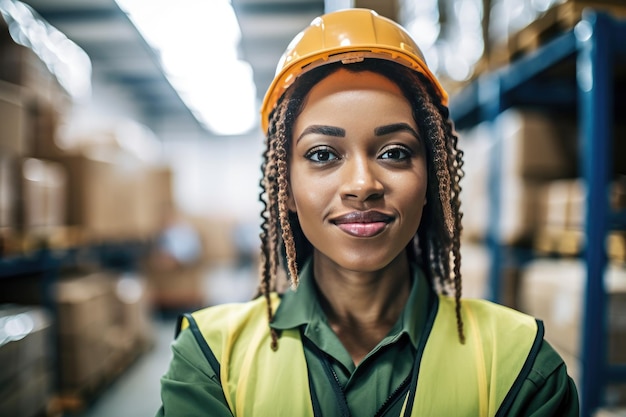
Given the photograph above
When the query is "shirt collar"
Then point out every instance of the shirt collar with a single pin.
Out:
(301, 307)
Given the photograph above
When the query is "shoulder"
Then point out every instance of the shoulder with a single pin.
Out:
(491, 309)
(217, 329)
(491, 316)
(228, 316)
(548, 363)
(547, 389)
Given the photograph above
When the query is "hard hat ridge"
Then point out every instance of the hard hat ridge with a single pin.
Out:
(347, 36)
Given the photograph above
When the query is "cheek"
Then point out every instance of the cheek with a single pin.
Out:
(308, 191)
(413, 201)
(307, 197)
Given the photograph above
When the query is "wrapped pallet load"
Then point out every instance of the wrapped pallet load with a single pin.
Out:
(26, 374)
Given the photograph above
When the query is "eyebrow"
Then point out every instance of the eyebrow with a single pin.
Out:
(339, 132)
(323, 130)
(395, 127)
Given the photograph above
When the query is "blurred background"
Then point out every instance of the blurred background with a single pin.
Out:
(130, 150)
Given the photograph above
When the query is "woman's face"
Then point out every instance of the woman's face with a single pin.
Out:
(357, 170)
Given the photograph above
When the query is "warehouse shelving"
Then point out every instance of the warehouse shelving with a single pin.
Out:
(574, 72)
(48, 263)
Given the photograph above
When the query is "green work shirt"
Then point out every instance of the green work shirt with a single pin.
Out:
(191, 388)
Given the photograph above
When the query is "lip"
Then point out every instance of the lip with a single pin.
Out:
(363, 223)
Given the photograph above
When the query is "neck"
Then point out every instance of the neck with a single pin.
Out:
(362, 307)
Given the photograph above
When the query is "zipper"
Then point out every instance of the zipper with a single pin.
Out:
(339, 393)
(340, 396)
(394, 395)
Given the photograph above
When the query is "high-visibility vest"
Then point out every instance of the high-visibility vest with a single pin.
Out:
(477, 378)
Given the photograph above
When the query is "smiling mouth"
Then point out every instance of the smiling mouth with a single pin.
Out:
(363, 223)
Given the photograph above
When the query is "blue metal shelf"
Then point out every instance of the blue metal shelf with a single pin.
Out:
(585, 57)
(121, 256)
(33, 263)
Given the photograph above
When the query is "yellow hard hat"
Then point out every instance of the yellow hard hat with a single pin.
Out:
(348, 35)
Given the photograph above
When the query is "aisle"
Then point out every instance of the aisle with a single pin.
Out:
(137, 392)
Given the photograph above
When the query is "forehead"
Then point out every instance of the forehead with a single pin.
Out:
(347, 97)
(344, 80)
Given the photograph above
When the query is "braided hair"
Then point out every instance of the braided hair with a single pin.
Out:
(436, 244)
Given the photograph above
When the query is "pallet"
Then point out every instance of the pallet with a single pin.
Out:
(555, 21)
(570, 243)
(77, 399)
(611, 412)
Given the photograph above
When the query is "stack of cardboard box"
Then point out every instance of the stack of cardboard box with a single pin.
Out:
(553, 290)
(533, 149)
(56, 186)
(103, 326)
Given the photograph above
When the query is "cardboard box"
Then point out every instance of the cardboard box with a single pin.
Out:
(133, 311)
(20, 65)
(46, 118)
(563, 202)
(8, 191)
(519, 213)
(176, 288)
(32, 195)
(536, 149)
(537, 145)
(13, 120)
(44, 194)
(153, 193)
(520, 185)
(82, 359)
(475, 270)
(84, 304)
(552, 290)
(104, 324)
(476, 145)
(105, 197)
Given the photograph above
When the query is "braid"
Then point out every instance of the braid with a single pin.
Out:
(276, 227)
(269, 230)
(283, 213)
(442, 237)
(455, 163)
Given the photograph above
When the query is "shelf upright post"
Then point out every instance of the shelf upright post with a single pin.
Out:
(595, 85)
(490, 106)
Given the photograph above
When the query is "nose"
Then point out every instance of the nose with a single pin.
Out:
(360, 181)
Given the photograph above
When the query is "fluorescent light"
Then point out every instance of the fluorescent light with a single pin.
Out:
(64, 59)
(197, 41)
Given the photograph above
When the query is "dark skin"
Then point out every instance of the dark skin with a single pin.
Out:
(356, 150)
(373, 307)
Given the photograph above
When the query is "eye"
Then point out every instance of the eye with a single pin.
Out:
(397, 153)
(321, 155)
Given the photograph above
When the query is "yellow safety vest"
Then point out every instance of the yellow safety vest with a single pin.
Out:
(478, 378)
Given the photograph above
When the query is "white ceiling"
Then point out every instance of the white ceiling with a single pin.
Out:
(120, 55)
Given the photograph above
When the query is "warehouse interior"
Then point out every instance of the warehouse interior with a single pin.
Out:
(130, 151)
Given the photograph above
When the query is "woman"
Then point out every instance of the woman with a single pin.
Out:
(361, 187)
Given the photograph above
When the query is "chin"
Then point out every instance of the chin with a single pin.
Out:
(365, 262)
